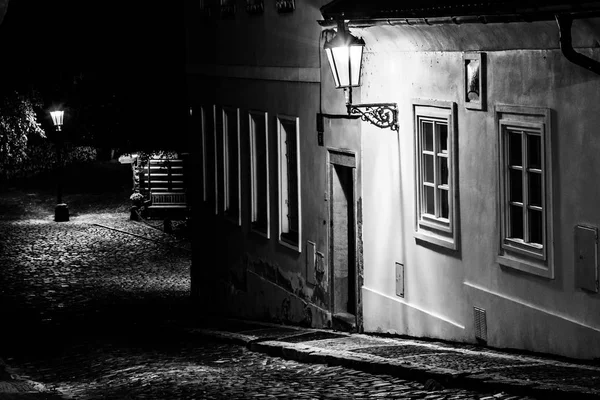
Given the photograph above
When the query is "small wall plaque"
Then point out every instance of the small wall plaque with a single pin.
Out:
(474, 81)
(399, 280)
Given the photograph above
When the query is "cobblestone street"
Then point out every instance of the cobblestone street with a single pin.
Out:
(178, 370)
(87, 311)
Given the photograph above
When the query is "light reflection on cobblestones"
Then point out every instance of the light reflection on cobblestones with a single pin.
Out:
(99, 303)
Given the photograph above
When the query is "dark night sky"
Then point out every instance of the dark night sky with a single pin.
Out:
(140, 44)
(93, 33)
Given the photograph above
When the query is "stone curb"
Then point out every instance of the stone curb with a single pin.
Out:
(482, 382)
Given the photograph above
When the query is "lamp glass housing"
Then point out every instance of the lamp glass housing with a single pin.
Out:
(57, 117)
(344, 53)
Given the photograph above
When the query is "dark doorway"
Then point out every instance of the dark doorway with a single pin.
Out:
(343, 237)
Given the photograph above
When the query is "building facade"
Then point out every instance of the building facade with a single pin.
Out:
(475, 221)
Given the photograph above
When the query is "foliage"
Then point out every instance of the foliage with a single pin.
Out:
(144, 155)
(18, 123)
(79, 154)
(40, 157)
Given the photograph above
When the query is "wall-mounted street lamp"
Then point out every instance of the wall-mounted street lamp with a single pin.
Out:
(61, 211)
(344, 53)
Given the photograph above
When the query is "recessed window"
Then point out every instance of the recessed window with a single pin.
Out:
(216, 165)
(231, 164)
(525, 196)
(204, 126)
(259, 172)
(435, 173)
(289, 181)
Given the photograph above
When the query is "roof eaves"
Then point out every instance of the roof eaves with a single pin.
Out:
(527, 10)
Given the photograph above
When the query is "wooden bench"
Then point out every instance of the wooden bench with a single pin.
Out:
(167, 189)
(168, 199)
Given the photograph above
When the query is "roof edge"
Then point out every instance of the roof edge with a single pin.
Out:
(486, 12)
(457, 20)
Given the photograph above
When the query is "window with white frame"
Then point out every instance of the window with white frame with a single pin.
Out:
(436, 190)
(216, 169)
(259, 172)
(231, 164)
(204, 126)
(525, 189)
(289, 181)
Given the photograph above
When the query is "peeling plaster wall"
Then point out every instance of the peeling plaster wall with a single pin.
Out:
(525, 68)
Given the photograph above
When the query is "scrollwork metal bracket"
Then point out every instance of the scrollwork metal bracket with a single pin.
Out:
(382, 115)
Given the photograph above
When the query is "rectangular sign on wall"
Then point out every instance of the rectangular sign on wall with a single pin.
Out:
(399, 280)
(586, 258)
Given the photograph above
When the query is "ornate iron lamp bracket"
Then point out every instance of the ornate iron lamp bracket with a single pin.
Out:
(382, 115)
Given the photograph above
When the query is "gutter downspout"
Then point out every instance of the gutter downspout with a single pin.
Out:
(565, 23)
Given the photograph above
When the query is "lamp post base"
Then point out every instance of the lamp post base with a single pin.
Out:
(61, 212)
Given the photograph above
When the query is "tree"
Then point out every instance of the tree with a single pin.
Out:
(3, 7)
(18, 122)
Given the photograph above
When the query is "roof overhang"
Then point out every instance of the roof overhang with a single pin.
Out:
(432, 12)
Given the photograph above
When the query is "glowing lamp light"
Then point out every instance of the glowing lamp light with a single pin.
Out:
(57, 118)
(344, 53)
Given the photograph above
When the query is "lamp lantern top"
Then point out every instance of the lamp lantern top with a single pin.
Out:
(344, 53)
(57, 118)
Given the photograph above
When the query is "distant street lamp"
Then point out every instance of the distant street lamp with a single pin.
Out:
(61, 211)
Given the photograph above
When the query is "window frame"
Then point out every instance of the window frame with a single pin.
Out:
(512, 252)
(253, 172)
(216, 158)
(280, 129)
(203, 134)
(227, 113)
(432, 228)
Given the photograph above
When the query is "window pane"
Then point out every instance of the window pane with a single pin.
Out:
(514, 148)
(443, 137)
(231, 163)
(356, 58)
(535, 226)
(292, 175)
(428, 168)
(427, 136)
(535, 189)
(428, 192)
(259, 209)
(515, 185)
(534, 151)
(341, 57)
(444, 213)
(515, 229)
(443, 162)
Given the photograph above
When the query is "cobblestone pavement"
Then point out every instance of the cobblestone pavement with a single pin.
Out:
(216, 371)
(56, 273)
(88, 311)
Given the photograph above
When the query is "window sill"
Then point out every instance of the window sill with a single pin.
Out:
(289, 245)
(264, 232)
(526, 265)
(436, 239)
(234, 219)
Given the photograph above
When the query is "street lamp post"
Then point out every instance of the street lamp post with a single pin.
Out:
(61, 211)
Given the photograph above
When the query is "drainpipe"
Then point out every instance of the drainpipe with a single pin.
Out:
(564, 23)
